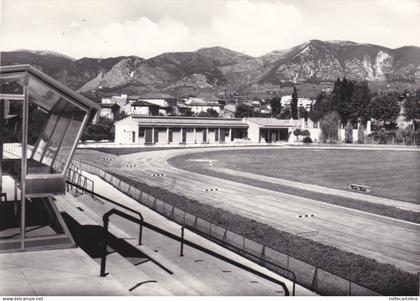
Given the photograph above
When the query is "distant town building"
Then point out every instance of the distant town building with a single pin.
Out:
(120, 100)
(151, 104)
(302, 102)
(160, 99)
(109, 110)
(142, 108)
(198, 105)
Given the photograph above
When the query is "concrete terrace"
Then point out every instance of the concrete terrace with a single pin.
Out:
(73, 272)
(195, 273)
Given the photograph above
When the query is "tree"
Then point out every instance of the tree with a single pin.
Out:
(321, 107)
(286, 113)
(302, 113)
(294, 104)
(306, 133)
(244, 110)
(360, 101)
(329, 127)
(209, 113)
(411, 107)
(297, 132)
(275, 106)
(348, 133)
(102, 130)
(385, 108)
(351, 100)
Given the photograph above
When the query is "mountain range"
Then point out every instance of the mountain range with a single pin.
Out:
(215, 70)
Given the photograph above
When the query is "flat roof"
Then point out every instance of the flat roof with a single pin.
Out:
(109, 105)
(50, 82)
(271, 122)
(142, 103)
(178, 121)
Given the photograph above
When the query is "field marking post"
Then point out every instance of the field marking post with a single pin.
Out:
(349, 292)
(181, 252)
(315, 280)
(262, 256)
(172, 213)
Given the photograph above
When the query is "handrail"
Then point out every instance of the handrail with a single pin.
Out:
(183, 241)
(105, 220)
(265, 261)
(170, 235)
(97, 195)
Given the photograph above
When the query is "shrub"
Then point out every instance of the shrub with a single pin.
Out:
(361, 134)
(348, 133)
(297, 132)
(307, 139)
(306, 133)
(399, 136)
(382, 136)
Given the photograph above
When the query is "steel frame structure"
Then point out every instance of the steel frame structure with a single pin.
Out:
(25, 73)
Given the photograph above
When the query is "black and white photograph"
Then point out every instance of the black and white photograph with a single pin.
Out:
(218, 148)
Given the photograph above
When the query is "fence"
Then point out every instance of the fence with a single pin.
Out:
(307, 275)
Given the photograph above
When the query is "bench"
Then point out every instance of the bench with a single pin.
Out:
(359, 187)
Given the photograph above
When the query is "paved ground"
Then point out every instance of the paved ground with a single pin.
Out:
(66, 272)
(194, 274)
(384, 239)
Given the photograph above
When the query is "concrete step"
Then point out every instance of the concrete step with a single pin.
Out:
(133, 278)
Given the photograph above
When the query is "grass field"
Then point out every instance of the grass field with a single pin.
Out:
(392, 174)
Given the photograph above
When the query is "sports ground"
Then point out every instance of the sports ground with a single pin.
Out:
(390, 174)
(374, 236)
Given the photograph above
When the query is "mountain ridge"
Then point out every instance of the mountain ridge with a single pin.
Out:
(213, 69)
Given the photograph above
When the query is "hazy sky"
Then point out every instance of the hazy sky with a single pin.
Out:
(103, 28)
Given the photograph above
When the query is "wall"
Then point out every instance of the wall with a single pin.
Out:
(253, 132)
(123, 133)
(140, 110)
(162, 136)
(106, 113)
(198, 109)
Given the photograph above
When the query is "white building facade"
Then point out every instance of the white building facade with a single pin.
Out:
(137, 129)
(161, 130)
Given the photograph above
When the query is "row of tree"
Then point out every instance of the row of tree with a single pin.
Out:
(353, 102)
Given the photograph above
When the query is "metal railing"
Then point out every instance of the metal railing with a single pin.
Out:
(306, 274)
(183, 241)
(75, 176)
(105, 220)
(262, 261)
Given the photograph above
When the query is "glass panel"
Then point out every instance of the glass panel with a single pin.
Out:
(42, 94)
(11, 83)
(55, 140)
(70, 137)
(45, 136)
(10, 167)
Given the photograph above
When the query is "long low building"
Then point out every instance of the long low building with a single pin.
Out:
(138, 129)
(178, 130)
